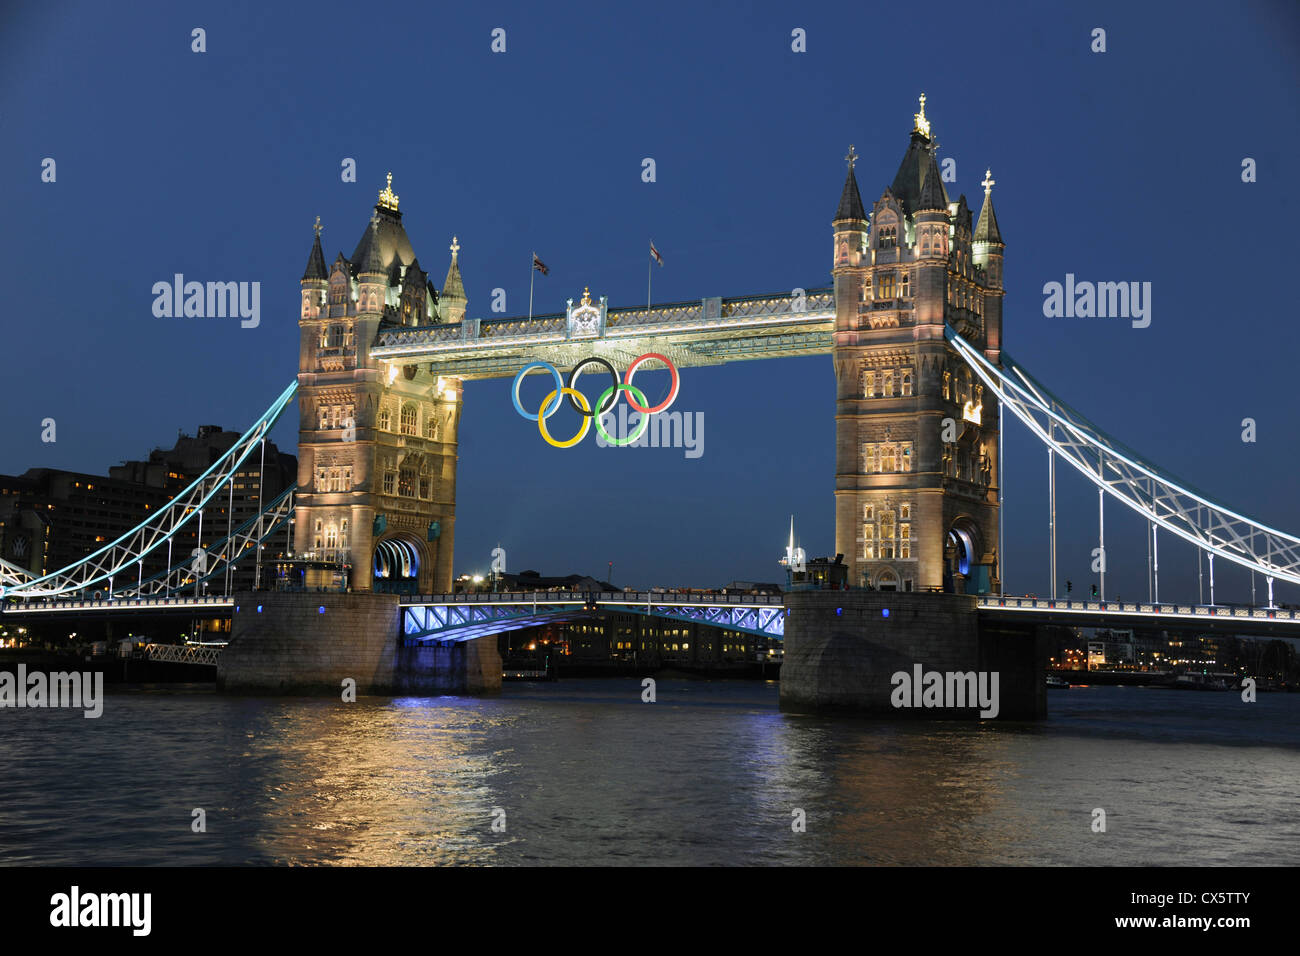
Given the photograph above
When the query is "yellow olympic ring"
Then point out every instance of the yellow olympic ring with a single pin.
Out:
(586, 419)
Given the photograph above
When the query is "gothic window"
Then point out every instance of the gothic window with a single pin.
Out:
(905, 462)
(426, 488)
(889, 383)
(905, 541)
(385, 420)
(408, 419)
(336, 336)
(868, 541)
(844, 251)
(322, 479)
(331, 537)
(887, 236)
(319, 540)
(907, 382)
(406, 483)
(888, 457)
(324, 416)
(947, 386)
(431, 427)
(343, 534)
(348, 337)
(868, 383)
(906, 292)
(390, 482)
(887, 535)
(885, 285)
(963, 392)
(905, 511)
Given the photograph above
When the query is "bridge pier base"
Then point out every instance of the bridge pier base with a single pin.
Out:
(844, 648)
(305, 643)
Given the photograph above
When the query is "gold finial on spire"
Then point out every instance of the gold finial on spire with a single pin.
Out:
(317, 227)
(455, 248)
(586, 295)
(387, 198)
(852, 157)
(922, 125)
(988, 182)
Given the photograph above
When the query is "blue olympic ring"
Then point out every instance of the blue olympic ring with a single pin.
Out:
(559, 389)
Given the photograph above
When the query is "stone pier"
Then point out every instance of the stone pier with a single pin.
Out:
(842, 649)
(305, 643)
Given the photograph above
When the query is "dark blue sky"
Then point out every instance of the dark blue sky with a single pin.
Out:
(1116, 166)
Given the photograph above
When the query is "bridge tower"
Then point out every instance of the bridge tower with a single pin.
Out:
(917, 451)
(376, 440)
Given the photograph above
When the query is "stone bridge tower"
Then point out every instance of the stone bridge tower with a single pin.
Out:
(376, 440)
(917, 452)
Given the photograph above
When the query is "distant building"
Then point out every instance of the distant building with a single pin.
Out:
(532, 581)
(51, 518)
(752, 587)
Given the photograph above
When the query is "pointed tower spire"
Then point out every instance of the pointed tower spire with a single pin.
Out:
(851, 199)
(986, 230)
(316, 260)
(933, 195)
(452, 300)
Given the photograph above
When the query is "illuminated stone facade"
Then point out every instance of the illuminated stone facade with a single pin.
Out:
(377, 440)
(917, 457)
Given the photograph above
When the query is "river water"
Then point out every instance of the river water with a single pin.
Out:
(584, 772)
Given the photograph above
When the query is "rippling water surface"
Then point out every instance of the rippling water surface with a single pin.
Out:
(587, 773)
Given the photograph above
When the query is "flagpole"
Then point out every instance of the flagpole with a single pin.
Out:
(532, 268)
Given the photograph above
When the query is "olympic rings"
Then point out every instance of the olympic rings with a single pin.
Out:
(672, 393)
(613, 375)
(608, 398)
(640, 426)
(559, 384)
(586, 420)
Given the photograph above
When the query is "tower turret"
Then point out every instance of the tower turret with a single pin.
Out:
(452, 301)
(988, 249)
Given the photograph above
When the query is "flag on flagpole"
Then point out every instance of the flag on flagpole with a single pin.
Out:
(655, 252)
(540, 266)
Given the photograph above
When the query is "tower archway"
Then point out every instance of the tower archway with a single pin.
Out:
(396, 564)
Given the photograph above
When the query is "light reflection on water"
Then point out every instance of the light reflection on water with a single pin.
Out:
(587, 773)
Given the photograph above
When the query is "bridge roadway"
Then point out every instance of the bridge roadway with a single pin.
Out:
(462, 617)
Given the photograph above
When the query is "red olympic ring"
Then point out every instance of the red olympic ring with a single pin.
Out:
(672, 394)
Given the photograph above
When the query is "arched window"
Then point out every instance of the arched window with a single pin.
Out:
(331, 537)
(319, 540)
(887, 535)
(385, 420)
(907, 382)
(431, 427)
(343, 533)
(409, 416)
(406, 483)
(868, 542)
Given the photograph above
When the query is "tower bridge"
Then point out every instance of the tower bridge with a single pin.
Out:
(912, 323)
